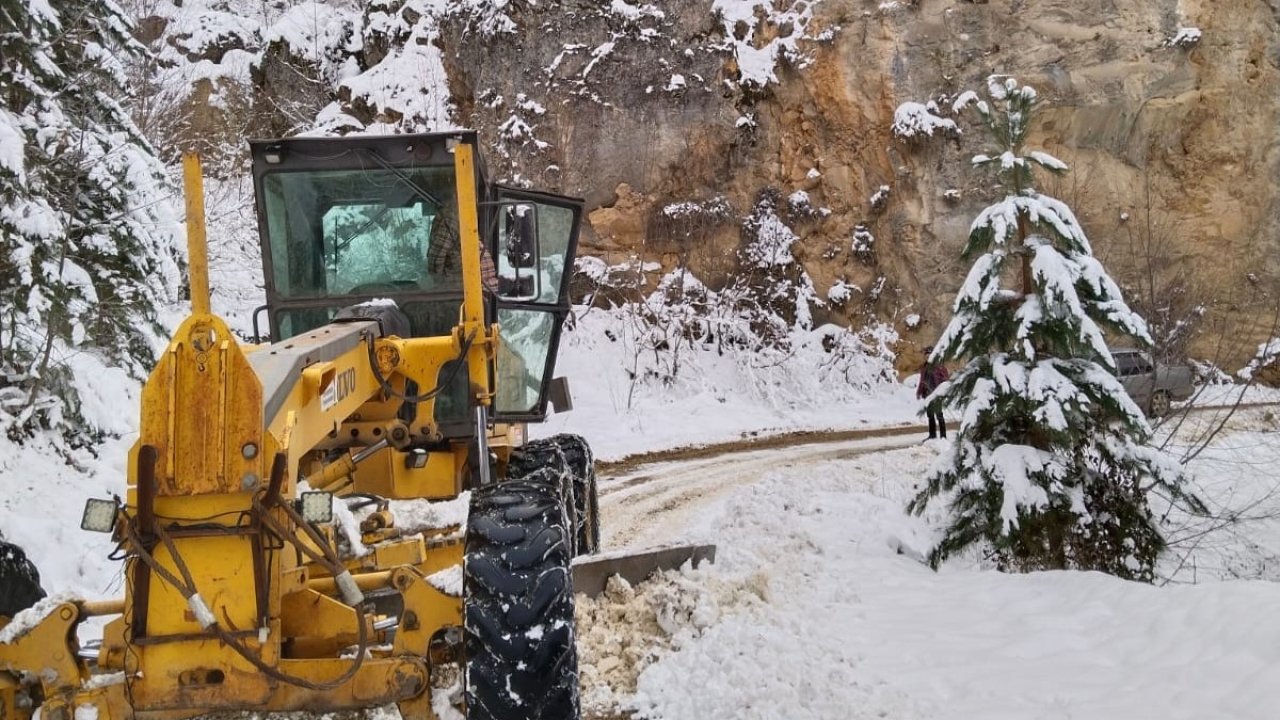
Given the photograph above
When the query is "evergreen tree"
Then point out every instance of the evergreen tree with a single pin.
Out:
(1050, 469)
(86, 234)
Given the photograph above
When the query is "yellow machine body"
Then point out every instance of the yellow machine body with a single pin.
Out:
(232, 599)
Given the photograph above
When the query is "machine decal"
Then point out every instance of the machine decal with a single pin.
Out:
(339, 389)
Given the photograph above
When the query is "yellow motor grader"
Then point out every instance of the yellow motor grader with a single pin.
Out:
(414, 310)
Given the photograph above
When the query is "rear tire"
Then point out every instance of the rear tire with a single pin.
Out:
(1159, 404)
(521, 661)
(572, 459)
(19, 581)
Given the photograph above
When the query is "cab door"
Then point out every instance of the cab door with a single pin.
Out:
(535, 236)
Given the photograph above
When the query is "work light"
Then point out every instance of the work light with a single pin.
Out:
(317, 507)
(99, 516)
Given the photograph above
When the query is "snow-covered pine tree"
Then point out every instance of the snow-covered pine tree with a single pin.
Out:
(86, 233)
(1050, 469)
(772, 290)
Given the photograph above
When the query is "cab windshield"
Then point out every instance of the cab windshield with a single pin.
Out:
(336, 233)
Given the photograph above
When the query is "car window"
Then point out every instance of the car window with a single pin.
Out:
(1124, 364)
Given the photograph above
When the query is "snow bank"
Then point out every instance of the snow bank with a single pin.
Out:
(624, 405)
(845, 623)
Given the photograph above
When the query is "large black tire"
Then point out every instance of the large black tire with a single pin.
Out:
(19, 581)
(570, 456)
(588, 516)
(1159, 404)
(521, 662)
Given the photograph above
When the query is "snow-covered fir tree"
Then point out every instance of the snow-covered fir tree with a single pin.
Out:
(1050, 469)
(86, 232)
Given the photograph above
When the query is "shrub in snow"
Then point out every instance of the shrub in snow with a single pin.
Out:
(597, 284)
(863, 245)
(775, 291)
(686, 335)
(880, 200)
(1264, 367)
(760, 318)
(688, 222)
(1187, 37)
(86, 237)
(1206, 373)
(716, 209)
(800, 206)
(1050, 469)
(394, 78)
(915, 122)
(305, 53)
(840, 293)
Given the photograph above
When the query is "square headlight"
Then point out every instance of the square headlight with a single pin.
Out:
(99, 516)
(317, 507)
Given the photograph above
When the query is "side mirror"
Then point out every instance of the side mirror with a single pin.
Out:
(519, 274)
(520, 232)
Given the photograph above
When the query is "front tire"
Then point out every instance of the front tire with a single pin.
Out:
(571, 457)
(19, 581)
(521, 661)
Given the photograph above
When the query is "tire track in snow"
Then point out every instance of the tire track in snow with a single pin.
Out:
(667, 502)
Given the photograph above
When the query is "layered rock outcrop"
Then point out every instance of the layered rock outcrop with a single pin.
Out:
(1173, 146)
(647, 109)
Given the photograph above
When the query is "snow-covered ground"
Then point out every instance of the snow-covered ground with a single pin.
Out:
(818, 605)
(716, 396)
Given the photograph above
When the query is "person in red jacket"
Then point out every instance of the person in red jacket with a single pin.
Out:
(931, 376)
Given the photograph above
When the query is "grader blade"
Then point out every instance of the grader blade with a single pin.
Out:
(591, 573)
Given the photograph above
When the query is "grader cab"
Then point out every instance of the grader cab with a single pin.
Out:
(413, 310)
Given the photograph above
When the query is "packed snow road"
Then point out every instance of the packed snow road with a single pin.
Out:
(818, 607)
(677, 500)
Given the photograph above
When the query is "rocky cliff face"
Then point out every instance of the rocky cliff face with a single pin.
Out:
(672, 118)
(1173, 146)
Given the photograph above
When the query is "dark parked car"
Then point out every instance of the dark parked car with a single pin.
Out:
(1152, 387)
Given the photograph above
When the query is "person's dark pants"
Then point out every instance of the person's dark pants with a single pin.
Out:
(937, 425)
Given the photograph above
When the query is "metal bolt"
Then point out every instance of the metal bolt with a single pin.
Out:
(249, 450)
(249, 481)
